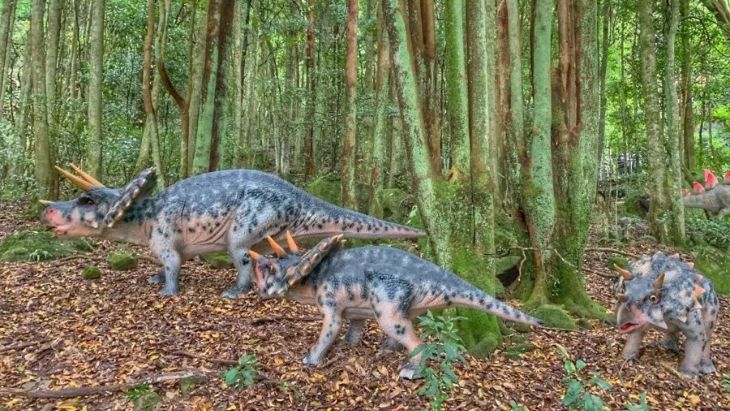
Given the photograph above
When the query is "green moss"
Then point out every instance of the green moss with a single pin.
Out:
(395, 204)
(39, 245)
(515, 351)
(122, 261)
(714, 264)
(327, 187)
(91, 272)
(147, 401)
(619, 261)
(218, 260)
(554, 316)
(486, 345)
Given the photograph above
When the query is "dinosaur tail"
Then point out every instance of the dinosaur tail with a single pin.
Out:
(327, 219)
(482, 301)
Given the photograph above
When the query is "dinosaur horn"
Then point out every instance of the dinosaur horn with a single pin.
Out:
(622, 297)
(312, 257)
(675, 255)
(86, 176)
(254, 254)
(45, 202)
(277, 248)
(626, 274)
(698, 291)
(698, 278)
(290, 241)
(659, 282)
(691, 266)
(77, 181)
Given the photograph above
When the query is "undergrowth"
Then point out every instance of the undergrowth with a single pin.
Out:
(243, 373)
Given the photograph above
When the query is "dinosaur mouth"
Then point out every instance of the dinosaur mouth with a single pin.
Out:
(626, 327)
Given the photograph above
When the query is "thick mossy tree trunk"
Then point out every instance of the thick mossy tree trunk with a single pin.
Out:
(456, 85)
(459, 237)
(558, 223)
(688, 128)
(349, 152)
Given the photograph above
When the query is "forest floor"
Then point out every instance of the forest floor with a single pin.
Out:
(59, 331)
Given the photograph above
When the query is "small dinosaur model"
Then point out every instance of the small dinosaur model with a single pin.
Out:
(713, 197)
(230, 210)
(665, 293)
(389, 285)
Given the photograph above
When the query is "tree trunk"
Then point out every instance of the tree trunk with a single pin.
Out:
(42, 149)
(74, 54)
(673, 141)
(96, 78)
(203, 140)
(198, 35)
(514, 123)
(456, 85)
(602, 77)
(382, 101)
(349, 151)
(222, 80)
(6, 25)
(688, 129)
(311, 94)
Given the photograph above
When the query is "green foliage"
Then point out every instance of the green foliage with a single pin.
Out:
(91, 272)
(643, 406)
(326, 187)
(218, 260)
(554, 316)
(38, 245)
(709, 231)
(578, 395)
(726, 382)
(516, 407)
(137, 391)
(714, 264)
(445, 351)
(122, 261)
(242, 374)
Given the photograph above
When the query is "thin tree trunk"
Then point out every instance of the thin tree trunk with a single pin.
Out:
(6, 25)
(42, 148)
(688, 129)
(74, 52)
(311, 94)
(349, 147)
(602, 77)
(515, 147)
(382, 101)
(194, 93)
(456, 85)
(203, 140)
(96, 77)
(226, 15)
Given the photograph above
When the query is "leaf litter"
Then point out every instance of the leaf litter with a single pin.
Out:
(59, 331)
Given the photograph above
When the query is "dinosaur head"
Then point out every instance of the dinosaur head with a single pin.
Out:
(274, 276)
(97, 209)
(639, 301)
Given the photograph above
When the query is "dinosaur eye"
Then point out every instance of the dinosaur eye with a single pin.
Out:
(652, 298)
(86, 201)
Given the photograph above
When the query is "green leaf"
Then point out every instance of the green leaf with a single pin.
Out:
(569, 367)
(579, 364)
(604, 385)
(575, 389)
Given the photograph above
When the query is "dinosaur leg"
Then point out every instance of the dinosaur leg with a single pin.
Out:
(171, 259)
(722, 213)
(670, 341)
(242, 262)
(633, 345)
(331, 327)
(706, 365)
(390, 344)
(694, 345)
(398, 327)
(354, 332)
(158, 278)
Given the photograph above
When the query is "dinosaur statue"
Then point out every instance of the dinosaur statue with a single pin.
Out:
(230, 210)
(713, 197)
(664, 293)
(389, 285)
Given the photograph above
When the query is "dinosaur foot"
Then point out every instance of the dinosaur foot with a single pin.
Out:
(706, 366)
(409, 372)
(390, 345)
(310, 360)
(158, 278)
(169, 290)
(689, 373)
(233, 291)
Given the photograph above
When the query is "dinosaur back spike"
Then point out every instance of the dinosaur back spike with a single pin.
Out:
(313, 257)
(697, 188)
(710, 180)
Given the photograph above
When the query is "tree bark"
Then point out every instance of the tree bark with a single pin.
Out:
(349, 150)
(602, 77)
(688, 129)
(42, 148)
(6, 24)
(96, 77)
(382, 101)
(222, 80)
(456, 85)
(514, 123)
(311, 94)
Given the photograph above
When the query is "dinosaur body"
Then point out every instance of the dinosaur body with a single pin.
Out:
(231, 210)
(389, 285)
(664, 293)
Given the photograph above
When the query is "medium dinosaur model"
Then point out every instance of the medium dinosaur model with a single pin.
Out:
(389, 285)
(664, 293)
(713, 197)
(231, 210)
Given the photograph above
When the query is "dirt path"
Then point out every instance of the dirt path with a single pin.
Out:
(118, 329)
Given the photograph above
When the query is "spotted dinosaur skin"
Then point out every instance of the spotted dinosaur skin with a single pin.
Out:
(389, 285)
(713, 197)
(231, 210)
(665, 293)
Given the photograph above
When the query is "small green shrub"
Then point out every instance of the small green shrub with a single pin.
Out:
(242, 374)
(122, 261)
(445, 351)
(91, 272)
(39, 245)
(137, 391)
(726, 381)
(577, 396)
(643, 406)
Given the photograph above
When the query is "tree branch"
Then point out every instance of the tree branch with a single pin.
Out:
(179, 100)
(611, 250)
